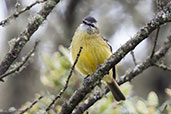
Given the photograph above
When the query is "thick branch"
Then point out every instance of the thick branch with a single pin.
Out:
(24, 37)
(133, 57)
(127, 77)
(161, 18)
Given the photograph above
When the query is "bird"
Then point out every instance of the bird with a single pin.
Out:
(95, 50)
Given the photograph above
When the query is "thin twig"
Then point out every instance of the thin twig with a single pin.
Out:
(133, 57)
(155, 42)
(162, 66)
(67, 81)
(17, 13)
(28, 108)
(162, 112)
(19, 65)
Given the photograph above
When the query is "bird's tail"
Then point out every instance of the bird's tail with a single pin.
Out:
(116, 92)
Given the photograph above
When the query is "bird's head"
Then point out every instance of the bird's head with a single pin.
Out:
(89, 25)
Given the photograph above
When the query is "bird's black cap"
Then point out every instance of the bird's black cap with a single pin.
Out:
(90, 19)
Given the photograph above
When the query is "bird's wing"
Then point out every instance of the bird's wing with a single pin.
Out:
(113, 68)
(108, 43)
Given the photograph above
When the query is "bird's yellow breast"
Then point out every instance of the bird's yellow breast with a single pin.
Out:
(95, 51)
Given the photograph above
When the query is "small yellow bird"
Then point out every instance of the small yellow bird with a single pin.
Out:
(95, 51)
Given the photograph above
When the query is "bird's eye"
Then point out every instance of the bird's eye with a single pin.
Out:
(92, 25)
(85, 22)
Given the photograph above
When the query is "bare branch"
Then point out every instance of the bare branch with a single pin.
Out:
(162, 66)
(19, 65)
(67, 81)
(155, 42)
(24, 37)
(17, 13)
(126, 77)
(161, 18)
(28, 108)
